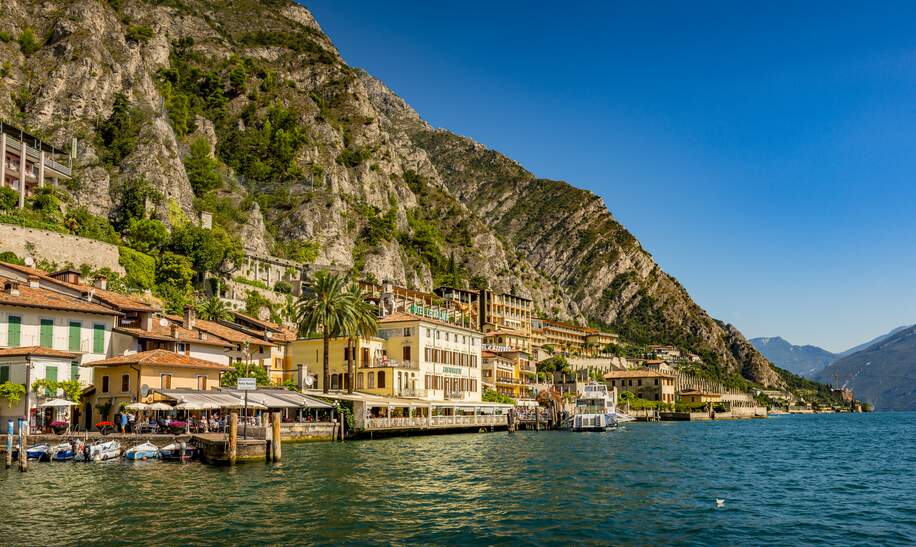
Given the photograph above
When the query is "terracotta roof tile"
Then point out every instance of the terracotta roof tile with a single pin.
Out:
(641, 373)
(26, 351)
(47, 299)
(157, 357)
(160, 332)
(229, 333)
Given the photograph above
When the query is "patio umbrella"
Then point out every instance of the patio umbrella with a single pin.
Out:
(160, 406)
(196, 405)
(138, 406)
(57, 403)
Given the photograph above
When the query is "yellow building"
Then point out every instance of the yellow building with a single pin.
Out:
(699, 396)
(505, 311)
(411, 356)
(652, 385)
(128, 378)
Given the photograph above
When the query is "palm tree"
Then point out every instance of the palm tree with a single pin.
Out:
(363, 323)
(213, 309)
(324, 308)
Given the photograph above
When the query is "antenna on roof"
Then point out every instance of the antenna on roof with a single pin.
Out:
(29, 261)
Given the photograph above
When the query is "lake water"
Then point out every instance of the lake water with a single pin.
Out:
(826, 479)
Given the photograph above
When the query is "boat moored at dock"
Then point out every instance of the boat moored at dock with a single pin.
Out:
(145, 451)
(596, 409)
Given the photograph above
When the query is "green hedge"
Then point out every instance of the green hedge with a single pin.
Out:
(140, 268)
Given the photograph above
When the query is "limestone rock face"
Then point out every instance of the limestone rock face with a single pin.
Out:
(373, 187)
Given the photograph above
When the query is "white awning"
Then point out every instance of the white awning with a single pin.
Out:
(57, 403)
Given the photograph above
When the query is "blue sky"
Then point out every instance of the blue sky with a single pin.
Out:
(763, 154)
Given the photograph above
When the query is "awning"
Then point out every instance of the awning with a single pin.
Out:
(263, 398)
(280, 398)
(138, 406)
(210, 399)
(57, 403)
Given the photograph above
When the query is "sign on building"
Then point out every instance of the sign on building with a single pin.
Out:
(246, 384)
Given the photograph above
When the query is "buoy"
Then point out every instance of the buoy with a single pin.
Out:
(720, 502)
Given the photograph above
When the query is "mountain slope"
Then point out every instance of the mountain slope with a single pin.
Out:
(802, 360)
(883, 374)
(873, 341)
(317, 161)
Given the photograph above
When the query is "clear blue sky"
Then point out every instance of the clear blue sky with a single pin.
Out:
(764, 155)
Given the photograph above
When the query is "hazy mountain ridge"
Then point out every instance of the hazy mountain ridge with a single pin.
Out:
(805, 360)
(883, 373)
(368, 183)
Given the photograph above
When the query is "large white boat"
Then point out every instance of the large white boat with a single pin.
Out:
(596, 409)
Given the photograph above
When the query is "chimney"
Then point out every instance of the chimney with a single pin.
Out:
(175, 332)
(101, 282)
(147, 321)
(202, 334)
(33, 281)
(11, 288)
(189, 317)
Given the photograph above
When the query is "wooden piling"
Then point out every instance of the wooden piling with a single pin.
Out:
(233, 437)
(275, 444)
(23, 442)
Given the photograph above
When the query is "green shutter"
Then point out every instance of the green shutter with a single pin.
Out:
(47, 333)
(74, 371)
(51, 376)
(4, 374)
(98, 339)
(75, 327)
(14, 323)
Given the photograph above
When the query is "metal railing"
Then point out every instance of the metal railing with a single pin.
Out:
(421, 422)
(13, 143)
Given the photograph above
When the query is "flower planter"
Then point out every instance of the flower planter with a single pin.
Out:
(105, 427)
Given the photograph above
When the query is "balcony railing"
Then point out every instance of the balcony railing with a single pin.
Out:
(390, 363)
(13, 144)
(423, 422)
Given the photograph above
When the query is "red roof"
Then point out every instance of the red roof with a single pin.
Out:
(159, 332)
(36, 297)
(159, 357)
(38, 351)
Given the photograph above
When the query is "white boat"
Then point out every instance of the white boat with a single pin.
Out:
(145, 451)
(596, 409)
(107, 450)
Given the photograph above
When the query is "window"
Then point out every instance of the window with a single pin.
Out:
(104, 384)
(98, 338)
(346, 356)
(437, 335)
(165, 381)
(74, 371)
(125, 383)
(46, 335)
(202, 383)
(429, 333)
(14, 330)
(181, 347)
(406, 351)
(446, 337)
(365, 358)
(75, 328)
(359, 380)
(370, 378)
(381, 378)
(4, 374)
(408, 331)
(656, 381)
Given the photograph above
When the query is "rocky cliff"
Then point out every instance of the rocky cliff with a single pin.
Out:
(316, 160)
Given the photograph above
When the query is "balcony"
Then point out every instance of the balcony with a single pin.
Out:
(410, 392)
(456, 395)
(390, 363)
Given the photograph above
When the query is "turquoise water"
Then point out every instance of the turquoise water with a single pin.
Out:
(816, 480)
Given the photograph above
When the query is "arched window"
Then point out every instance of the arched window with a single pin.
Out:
(381, 378)
(335, 382)
(370, 377)
(359, 380)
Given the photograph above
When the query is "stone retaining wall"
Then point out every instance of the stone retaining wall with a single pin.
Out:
(59, 248)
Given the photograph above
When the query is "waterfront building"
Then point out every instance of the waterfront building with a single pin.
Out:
(652, 385)
(466, 300)
(279, 335)
(32, 315)
(129, 378)
(564, 337)
(411, 356)
(243, 347)
(502, 310)
(27, 163)
(699, 396)
(27, 364)
(160, 332)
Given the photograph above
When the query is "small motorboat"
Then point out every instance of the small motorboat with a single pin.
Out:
(63, 452)
(39, 452)
(178, 451)
(145, 451)
(107, 450)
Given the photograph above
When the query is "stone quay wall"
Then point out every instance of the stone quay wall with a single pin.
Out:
(59, 248)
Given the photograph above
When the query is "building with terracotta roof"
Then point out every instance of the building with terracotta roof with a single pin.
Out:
(652, 385)
(32, 315)
(130, 378)
(27, 364)
(499, 372)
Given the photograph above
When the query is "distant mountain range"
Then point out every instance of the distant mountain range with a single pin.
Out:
(883, 373)
(802, 360)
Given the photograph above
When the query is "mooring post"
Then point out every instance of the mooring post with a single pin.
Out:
(23, 440)
(9, 441)
(275, 444)
(233, 437)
